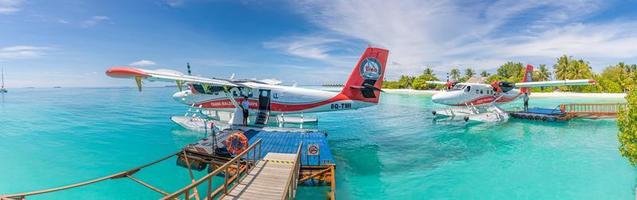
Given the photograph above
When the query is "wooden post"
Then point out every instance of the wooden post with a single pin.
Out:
(209, 189)
(333, 182)
(225, 181)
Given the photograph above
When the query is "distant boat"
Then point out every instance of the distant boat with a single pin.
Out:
(57, 87)
(2, 89)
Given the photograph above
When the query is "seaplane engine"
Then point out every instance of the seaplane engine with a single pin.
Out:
(502, 86)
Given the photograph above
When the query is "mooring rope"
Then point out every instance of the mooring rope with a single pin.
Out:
(122, 174)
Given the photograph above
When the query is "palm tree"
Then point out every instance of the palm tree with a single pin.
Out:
(562, 67)
(469, 73)
(544, 74)
(484, 73)
(428, 71)
(455, 73)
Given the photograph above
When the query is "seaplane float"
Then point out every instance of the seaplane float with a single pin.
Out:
(480, 102)
(217, 98)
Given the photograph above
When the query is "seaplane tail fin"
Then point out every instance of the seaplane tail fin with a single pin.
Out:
(528, 77)
(364, 83)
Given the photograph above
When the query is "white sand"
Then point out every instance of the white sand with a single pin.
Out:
(579, 95)
(533, 94)
(411, 91)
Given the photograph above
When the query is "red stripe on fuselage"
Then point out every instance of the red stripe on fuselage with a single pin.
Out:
(274, 106)
(487, 99)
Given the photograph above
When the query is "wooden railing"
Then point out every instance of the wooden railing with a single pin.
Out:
(290, 186)
(190, 191)
(600, 108)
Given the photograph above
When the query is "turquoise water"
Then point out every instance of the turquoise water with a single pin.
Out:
(51, 137)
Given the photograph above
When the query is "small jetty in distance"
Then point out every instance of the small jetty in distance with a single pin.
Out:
(333, 85)
(566, 112)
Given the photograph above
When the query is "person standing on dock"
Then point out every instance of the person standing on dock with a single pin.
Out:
(526, 102)
(245, 106)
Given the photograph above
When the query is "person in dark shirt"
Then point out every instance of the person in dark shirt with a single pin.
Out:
(526, 101)
(245, 106)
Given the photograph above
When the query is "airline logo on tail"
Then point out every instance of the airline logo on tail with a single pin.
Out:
(370, 69)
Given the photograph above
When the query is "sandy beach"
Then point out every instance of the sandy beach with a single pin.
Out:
(533, 94)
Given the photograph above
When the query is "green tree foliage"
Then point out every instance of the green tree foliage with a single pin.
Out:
(405, 81)
(454, 73)
(420, 82)
(511, 72)
(411, 82)
(627, 123)
(390, 85)
(468, 73)
(484, 73)
(543, 74)
(567, 68)
(613, 79)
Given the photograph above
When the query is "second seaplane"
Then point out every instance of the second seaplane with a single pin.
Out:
(221, 99)
(479, 101)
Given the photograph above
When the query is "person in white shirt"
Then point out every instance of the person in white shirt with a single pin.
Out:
(245, 106)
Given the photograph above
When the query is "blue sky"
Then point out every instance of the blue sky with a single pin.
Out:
(71, 43)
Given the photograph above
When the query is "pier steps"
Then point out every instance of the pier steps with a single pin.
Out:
(267, 180)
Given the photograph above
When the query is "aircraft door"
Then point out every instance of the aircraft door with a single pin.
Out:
(264, 106)
(264, 99)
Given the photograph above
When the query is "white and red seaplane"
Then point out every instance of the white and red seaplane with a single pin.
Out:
(479, 102)
(218, 98)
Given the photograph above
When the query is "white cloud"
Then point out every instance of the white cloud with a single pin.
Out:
(95, 20)
(142, 63)
(22, 52)
(9, 6)
(481, 35)
(315, 47)
(174, 3)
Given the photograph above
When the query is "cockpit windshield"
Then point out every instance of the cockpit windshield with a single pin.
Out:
(457, 87)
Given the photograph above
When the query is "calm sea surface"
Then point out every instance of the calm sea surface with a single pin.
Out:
(52, 137)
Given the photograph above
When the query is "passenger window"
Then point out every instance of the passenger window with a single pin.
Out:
(468, 89)
(481, 91)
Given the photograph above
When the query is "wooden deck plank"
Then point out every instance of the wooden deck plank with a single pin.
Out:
(267, 180)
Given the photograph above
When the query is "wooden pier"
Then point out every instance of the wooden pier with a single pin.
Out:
(593, 111)
(275, 177)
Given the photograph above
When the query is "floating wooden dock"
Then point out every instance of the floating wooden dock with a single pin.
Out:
(566, 112)
(541, 114)
(271, 167)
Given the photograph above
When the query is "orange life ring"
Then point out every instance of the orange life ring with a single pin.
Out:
(236, 143)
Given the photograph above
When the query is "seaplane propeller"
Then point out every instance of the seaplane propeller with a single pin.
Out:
(369, 86)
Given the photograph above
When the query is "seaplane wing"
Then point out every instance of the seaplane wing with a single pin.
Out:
(555, 83)
(164, 75)
(437, 82)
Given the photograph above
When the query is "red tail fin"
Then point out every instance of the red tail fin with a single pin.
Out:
(528, 77)
(365, 82)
